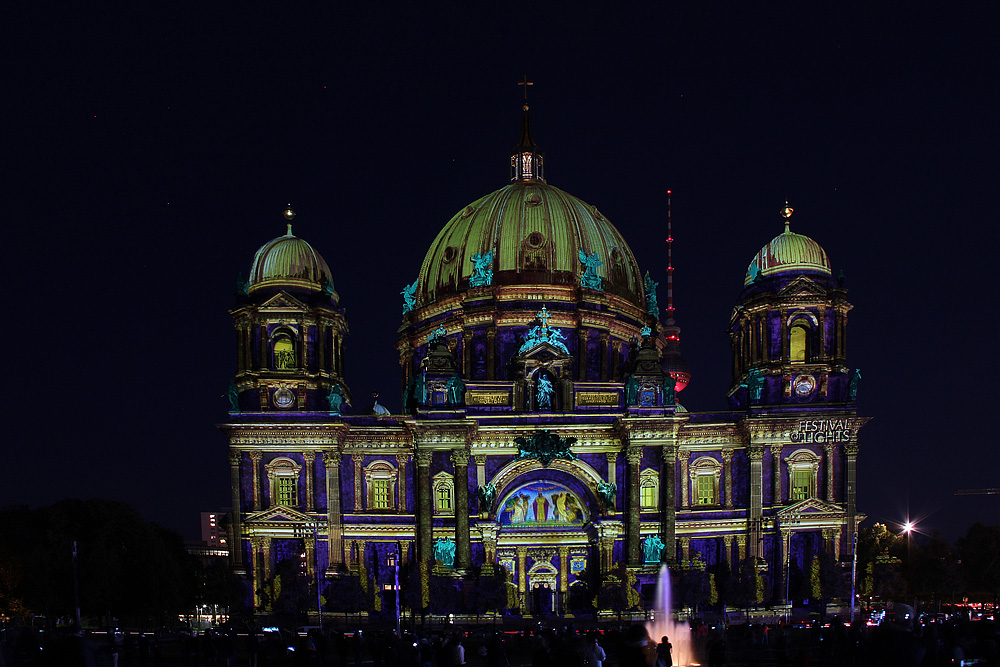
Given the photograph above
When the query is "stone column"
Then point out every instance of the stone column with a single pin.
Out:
(358, 478)
(634, 551)
(685, 548)
(828, 452)
(564, 570)
(340, 356)
(776, 474)
(401, 460)
(727, 548)
(310, 461)
(489, 531)
(467, 353)
(303, 338)
(255, 458)
(581, 356)
(263, 347)
(755, 515)
(741, 547)
(605, 339)
(334, 525)
(258, 563)
(491, 354)
(310, 543)
(321, 345)
(480, 461)
(522, 574)
(425, 540)
(685, 482)
(668, 508)
(727, 463)
(236, 520)
(463, 552)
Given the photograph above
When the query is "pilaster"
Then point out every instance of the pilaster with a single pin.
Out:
(236, 540)
(255, 458)
(334, 526)
(633, 455)
(463, 554)
(727, 464)
(310, 461)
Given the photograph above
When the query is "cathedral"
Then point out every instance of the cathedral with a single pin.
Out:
(541, 436)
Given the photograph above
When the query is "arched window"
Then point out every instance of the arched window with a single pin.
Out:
(284, 352)
(444, 493)
(283, 477)
(803, 474)
(649, 489)
(798, 344)
(380, 485)
(705, 473)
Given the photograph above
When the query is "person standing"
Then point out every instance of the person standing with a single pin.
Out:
(593, 653)
(664, 657)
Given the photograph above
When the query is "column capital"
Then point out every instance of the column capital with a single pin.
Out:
(612, 457)
(480, 459)
(756, 452)
(634, 454)
(727, 455)
(851, 449)
(776, 451)
(402, 459)
(256, 455)
(424, 458)
(235, 458)
(670, 453)
(331, 458)
(460, 457)
(309, 457)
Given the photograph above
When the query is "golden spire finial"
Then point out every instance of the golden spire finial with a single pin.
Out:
(786, 213)
(289, 214)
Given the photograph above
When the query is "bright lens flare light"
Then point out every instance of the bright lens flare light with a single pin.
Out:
(908, 527)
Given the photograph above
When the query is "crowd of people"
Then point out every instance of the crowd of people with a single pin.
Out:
(901, 639)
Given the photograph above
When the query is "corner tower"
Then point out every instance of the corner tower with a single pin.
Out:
(290, 331)
(789, 331)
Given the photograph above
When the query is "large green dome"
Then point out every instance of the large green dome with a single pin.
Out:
(536, 232)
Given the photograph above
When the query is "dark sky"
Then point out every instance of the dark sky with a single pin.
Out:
(149, 152)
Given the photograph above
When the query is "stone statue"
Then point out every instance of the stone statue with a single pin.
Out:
(437, 336)
(482, 274)
(852, 390)
(486, 494)
(326, 286)
(335, 399)
(590, 278)
(544, 392)
(646, 331)
(754, 271)
(545, 446)
(631, 390)
(409, 297)
(669, 393)
(420, 389)
(444, 552)
(233, 394)
(456, 390)
(651, 306)
(606, 492)
(652, 548)
(242, 285)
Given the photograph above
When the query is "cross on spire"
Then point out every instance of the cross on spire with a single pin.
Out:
(544, 316)
(525, 83)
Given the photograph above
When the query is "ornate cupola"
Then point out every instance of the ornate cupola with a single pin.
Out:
(789, 331)
(526, 160)
(290, 331)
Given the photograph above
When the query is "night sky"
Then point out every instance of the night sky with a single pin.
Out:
(150, 152)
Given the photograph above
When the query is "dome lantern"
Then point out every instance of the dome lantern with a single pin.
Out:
(526, 160)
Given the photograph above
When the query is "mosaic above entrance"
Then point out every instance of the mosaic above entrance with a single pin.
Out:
(542, 504)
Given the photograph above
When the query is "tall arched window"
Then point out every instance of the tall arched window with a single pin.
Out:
(803, 474)
(283, 477)
(380, 480)
(798, 344)
(705, 473)
(284, 352)
(444, 493)
(649, 489)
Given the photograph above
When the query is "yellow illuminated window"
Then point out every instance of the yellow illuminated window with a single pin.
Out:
(797, 345)
(647, 496)
(706, 489)
(381, 494)
(285, 489)
(444, 499)
(801, 484)
(284, 353)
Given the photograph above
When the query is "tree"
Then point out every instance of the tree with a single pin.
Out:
(878, 562)
(748, 585)
(980, 549)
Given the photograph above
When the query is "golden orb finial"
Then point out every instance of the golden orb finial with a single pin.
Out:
(289, 214)
(786, 213)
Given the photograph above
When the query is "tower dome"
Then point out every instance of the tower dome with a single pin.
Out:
(537, 233)
(788, 252)
(289, 261)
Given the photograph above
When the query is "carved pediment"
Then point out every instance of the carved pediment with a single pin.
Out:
(544, 352)
(803, 287)
(810, 508)
(283, 301)
(279, 514)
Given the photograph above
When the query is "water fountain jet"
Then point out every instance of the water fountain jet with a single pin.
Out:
(663, 624)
